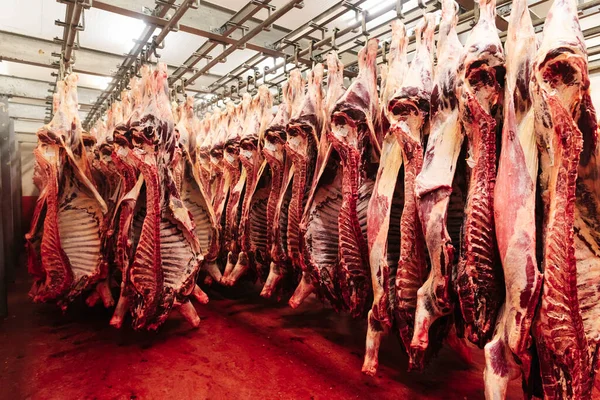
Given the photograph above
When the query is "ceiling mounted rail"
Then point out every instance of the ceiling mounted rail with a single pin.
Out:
(291, 39)
(586, 9)
(73, 23)
(259, 28)
(160, 22)
(328, 40)
(247, 12)
(142, 50)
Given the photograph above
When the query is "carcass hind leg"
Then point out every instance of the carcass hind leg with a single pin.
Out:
(213, 271)
(242, 265)
(103, 289)
(231, 261)
(199, 295)
(93, 299)
(187, 310)
(304, 289)
(273, 279)
(375, 332)
(120, 311)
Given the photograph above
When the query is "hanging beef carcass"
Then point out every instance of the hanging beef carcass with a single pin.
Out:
(408, 115)
(280, 165)
(237, 179)
(166, 259)
(354, 138)
(130, 211)
(194, 199)
(385, 205)
(303, 131)
(508, 353)
(319, 227)
(439, 188)
(110, 186)
(65, 241)
(479, 277)
(566, 325)
(252, 233)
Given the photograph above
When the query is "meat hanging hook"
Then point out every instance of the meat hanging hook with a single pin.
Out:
(334, 32)
(384, 51)
(399, 5)
(310, 53)
(296, 55)
(422, 6)
(363, 23)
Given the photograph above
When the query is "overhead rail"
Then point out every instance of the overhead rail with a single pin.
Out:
(73, 23)
(465, 21)
(143, 49)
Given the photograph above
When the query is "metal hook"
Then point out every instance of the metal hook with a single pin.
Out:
(384, 52)
(363, 23)
(296, 55)
(333, 38)
(399, 5)
(422, 6)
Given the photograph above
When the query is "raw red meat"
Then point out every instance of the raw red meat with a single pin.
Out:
(385, 206)
(435, 186)
(565, 123)
(252, 238)
(508, 353)
(65, 241)
(408, 114)
(479, 277)
(280, 192)
(303, 132)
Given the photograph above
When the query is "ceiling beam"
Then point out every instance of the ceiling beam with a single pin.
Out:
(37, 52)
(205, 19)
(32, 88)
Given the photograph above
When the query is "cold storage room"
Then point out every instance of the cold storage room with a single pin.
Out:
(299, 199)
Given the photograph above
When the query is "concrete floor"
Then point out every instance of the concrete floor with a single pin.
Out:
(246, 348)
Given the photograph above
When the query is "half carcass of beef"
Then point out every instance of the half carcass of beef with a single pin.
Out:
(353, 137)
(303, 132)
(193, 197)
(252, 238)
(280, 166)
(166, 260)
(479, 282)
(408, 113)
(237, 180)
(130, 210)
(319, 225)
(439, 189)
(508, 353)
(565, 327)
(65, 241)
(385, 205)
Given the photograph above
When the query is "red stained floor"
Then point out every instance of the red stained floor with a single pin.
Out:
(246, 348)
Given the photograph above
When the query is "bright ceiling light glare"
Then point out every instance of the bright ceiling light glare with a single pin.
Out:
(98, 82)
(126, 34)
